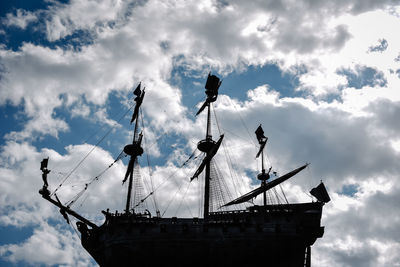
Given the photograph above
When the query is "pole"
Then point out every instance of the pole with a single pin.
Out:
(207, 173)
(68, 210)
(263, 182)
(128, 198)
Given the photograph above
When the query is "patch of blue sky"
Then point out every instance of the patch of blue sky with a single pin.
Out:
(363, 76)
(235, 84)
(10, 6)
(14, 235)
(91, 130)
(167, 143)
(380, 47)
(15, 37)
(349, 190)
(35, 31)
(253, 175)
(11, 264)
(238, 83)
(11, 119)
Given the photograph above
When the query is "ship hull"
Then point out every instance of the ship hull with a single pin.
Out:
(276, 234)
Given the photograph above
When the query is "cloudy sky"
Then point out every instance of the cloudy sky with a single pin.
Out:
(322, 77)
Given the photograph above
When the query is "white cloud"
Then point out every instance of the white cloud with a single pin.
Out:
(49, 246)
(21, 19)
(350, 135)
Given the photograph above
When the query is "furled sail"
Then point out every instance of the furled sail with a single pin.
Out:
(208, 158)
(138, 99)
(263, 188)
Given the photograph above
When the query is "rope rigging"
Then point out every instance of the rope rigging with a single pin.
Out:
(149, 168)
(96, 178)
(237, 180)
(87, 155)
(191, 157)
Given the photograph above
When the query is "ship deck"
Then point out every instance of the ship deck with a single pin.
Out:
(280, 233)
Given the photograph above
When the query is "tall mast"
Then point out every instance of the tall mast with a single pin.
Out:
(263, 176)
(207, 173)
(134, 149)
(208, 145)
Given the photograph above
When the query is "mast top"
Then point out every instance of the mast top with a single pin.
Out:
(212, 85)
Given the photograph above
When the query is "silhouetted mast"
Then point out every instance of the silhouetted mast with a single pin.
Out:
(208, 145)
(263, 176)
(134, 149)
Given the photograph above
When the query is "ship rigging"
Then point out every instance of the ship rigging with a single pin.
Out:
(271, 228)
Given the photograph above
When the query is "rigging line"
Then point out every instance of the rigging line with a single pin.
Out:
(240, 137)
(96, 178)
(144, 189)
(152, 100)
(311, 180)
(186, 174)
(222, 184)
(173, 197)
(177, 169)
(138, 186)
(283, 192)
(229, 161)
(76, 197)
(201, 199)
(216, 118)
(182, 200)
(278, 199)
(148, 163)
(83, 201)
(230, 167)
(242, 121)
(180, 186)
(93, 148)
(225, 149)
(100, 127)
(76, 232)
(187, 207)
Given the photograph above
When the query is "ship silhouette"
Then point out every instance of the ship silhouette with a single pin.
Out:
(270, 234)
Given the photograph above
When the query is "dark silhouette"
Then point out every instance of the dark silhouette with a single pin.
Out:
(270, 234)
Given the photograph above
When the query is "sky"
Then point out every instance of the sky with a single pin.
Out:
(322, 77)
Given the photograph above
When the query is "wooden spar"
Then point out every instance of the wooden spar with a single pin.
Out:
(263, 188)
(66, 209)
